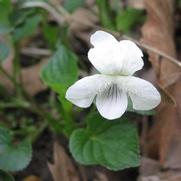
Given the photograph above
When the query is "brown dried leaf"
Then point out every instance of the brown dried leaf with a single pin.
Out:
(162, 176)
(83, 21)
(138, 4)
(63, 168)
(56, 2)
(149, 167)
(150, 171)
(31, 78)
(164, 139)
(158, 33)
(167, 98)
(90, 3)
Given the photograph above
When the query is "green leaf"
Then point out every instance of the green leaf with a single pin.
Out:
(72, 5)
(51, 34)
(113, 144)
(5, 10)
(4, 51)
(105, 14)
(13, 157)
(61, 70)
(28, 28)
(144, 113)
(67, 106)
(4, 176)
(128, 18)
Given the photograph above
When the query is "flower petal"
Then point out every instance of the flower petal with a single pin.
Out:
(100, 38)
(131, 55)
(142, 93)
(112, 102)
(83, 92)
(112, 57)
(105, 56)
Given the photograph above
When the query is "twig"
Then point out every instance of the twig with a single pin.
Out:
(49, 8)
(64, 12)
(70, 18)
(162, 54)
(36, 51)
(60, 14)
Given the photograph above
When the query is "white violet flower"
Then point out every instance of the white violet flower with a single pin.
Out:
(117, 61)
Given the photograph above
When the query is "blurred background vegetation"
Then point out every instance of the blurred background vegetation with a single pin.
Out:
(34, 115)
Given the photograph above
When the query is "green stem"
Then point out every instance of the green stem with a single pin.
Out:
(17, 73)
(36, 135)
(11, 78)
(53, 123)
(68, 122)
(34, 107)
(23, 104)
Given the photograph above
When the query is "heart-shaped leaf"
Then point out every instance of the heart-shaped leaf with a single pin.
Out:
(61, 70)
(13, 157)
(27, 28)
(113, 144)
